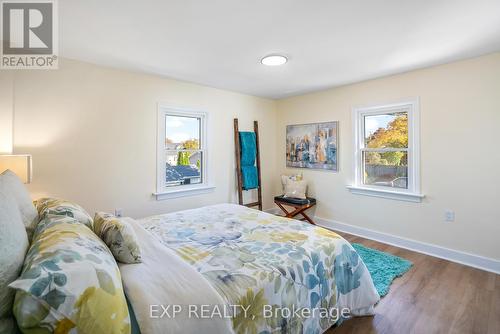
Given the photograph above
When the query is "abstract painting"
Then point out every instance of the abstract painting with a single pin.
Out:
(312, 146)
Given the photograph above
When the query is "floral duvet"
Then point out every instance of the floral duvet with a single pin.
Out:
(288, 276)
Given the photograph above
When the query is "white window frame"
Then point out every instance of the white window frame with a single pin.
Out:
(412, 194)
(162, 191)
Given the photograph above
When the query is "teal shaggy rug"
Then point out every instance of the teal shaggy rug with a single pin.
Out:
(383, 267)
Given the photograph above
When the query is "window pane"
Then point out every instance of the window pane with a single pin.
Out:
(386, 130)
(182, 133)
(388, 169)
(183, 168)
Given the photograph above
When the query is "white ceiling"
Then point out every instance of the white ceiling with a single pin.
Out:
(219, 43)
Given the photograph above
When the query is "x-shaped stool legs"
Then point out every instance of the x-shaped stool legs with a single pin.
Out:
(299, 210)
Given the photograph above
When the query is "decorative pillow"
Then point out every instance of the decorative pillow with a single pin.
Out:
(283, 181)
(295, 189)
(63, 208)
(12, 186)
(70, 281)
(295, 177)
(119, 235)
(13, 246)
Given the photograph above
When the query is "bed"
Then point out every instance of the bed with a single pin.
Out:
(230, 269)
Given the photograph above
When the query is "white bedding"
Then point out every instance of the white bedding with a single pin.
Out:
(231, 255)
(164, 279)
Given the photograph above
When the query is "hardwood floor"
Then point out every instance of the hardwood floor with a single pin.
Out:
(434, 296)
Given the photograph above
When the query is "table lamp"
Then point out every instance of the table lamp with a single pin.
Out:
(20, 164)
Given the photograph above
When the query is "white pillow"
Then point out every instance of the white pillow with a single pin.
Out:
(283, 181)
(295, 177)
(13, 246)
(12, 186)
(295, 189)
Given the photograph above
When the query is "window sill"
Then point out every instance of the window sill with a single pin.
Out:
(395, 195)
(188, 191)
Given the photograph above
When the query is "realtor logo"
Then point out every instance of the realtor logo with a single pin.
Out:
(29, 34)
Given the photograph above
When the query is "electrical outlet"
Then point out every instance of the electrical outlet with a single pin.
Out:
(118, 212)
(449, 216)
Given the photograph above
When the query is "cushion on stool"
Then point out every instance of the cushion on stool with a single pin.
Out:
(296, 201)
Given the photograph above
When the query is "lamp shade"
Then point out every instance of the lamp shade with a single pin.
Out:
(20, 164)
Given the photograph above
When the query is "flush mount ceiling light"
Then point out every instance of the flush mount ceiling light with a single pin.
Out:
(274, 60)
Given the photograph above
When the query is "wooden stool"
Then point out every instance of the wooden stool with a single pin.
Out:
(299, 205)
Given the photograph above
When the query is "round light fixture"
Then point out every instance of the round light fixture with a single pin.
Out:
(274, 60)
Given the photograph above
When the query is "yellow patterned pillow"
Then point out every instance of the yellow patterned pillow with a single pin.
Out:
(70, 281)
(62, 207)
(119, 236)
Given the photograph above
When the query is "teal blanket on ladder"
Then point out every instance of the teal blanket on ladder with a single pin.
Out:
(249, 177)
(248, 149)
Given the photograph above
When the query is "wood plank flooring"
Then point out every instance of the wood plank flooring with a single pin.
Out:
(434, 296)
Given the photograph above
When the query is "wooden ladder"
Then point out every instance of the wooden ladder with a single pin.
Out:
(238, 165)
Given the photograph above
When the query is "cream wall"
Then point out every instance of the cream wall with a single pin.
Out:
(6, 114)
(92, 133)
(460, 129)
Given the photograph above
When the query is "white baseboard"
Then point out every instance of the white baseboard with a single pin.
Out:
(467, 259)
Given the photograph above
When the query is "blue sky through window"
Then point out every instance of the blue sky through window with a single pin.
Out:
(375, 122)
(180, 128)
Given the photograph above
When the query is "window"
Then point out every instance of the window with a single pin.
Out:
(182, 153)
(387, 151)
